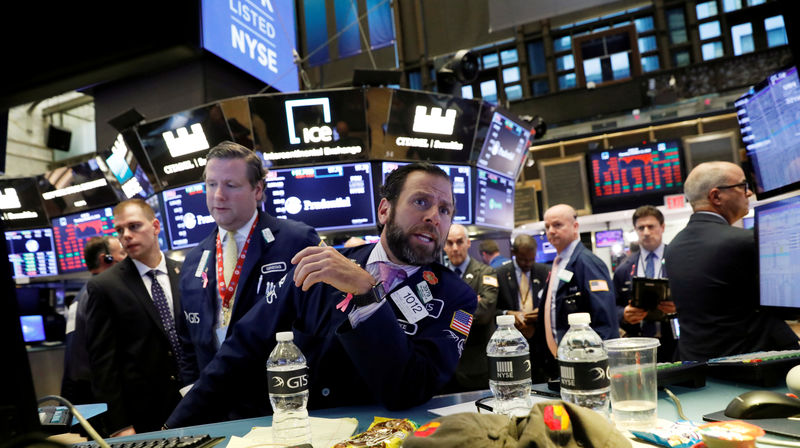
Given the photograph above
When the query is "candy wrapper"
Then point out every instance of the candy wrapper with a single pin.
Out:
(731, 434)
(681, 434)
(382, 433)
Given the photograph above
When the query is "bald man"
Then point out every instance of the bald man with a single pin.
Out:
(579, 282)
(473, 368)
(713, 274)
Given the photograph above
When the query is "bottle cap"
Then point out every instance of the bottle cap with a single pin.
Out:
(505, 319)
(284, 336)
(579, 318)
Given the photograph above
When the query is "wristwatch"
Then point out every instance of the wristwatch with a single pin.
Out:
(375, 294)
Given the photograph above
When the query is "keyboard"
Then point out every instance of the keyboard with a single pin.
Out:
(681, 373)
(765, 369)
(196, 441)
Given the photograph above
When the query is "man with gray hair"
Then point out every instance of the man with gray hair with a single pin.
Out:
(713, 273)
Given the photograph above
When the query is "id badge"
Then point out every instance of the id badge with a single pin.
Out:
(409, 304)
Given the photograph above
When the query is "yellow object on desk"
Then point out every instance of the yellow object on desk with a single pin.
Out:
(383, 433)
(325, 432)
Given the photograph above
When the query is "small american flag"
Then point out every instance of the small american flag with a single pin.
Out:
(461, 322)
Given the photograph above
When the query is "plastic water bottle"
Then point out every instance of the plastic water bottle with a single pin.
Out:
(583, 362)
(509, 369)
(288, 392)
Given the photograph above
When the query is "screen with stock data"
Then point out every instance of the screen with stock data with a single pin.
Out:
(32, 253)
(778, 235)
(72, 231)
(460, 178)
(505, 144)
(187, 218)
(494, 200)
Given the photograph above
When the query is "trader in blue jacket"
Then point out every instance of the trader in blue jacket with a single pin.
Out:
(382, 323)
(217, 290)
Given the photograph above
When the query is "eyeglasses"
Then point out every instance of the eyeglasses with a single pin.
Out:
(742, 184)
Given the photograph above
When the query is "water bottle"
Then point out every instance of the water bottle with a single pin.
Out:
(288, 392)
(509, 369)
(583, 362)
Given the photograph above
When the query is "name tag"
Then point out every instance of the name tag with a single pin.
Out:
(202, 265)
(268, 236)
(565, 276)
(424, 291)
(409, 304)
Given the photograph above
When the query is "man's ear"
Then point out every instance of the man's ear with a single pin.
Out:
(384, 207)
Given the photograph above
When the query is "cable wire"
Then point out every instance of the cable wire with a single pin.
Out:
(85, 424)
(677, 404)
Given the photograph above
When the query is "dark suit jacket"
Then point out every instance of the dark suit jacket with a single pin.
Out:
(133, 368)
(508, 289)
(714, 283)
(472, 372)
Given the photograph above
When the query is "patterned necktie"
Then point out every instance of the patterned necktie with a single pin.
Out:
(525, 293)
(548, 324)
(160, 300)
(390, 275)
(230, 253)
(650, 266)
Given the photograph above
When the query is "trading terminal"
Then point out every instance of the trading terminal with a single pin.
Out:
(604, 108)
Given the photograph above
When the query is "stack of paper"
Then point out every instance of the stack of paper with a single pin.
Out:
(325, 432)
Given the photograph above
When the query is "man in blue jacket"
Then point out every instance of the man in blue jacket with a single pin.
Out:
(579, 282)
(225, 274)
(381, 323)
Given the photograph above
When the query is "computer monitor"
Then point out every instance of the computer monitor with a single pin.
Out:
(769, 121)
(21, 204)
(76, 188)
(188, 220)
(608, 238)
(126, 171)
(545, 252)
(32, 252)
(503, 141)
(625, 178)
(494, 200)
(777, 225)
(32, 328)
(460, 178)
(72, 231)
(154, 202)
(331, 197)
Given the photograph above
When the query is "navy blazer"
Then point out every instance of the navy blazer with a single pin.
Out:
(508, 295)
(265, 263)
(383, 360)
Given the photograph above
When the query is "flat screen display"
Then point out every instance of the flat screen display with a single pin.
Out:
(624, 178)
(428, 126)
(72, 231)
(32, 253)
(323, 126)
(324, 197)
(32, 328)
(504, 144)
(545, 252)
(177, 145)
(76, 188)
(460, 178)
(777, 226)
(126, 171)
(494, 200)
(154, 202)
(21, 204)
(769, 121)
(608, 238)
(188, 220)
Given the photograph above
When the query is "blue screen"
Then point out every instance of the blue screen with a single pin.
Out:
(187, 218)
(324, 197)
(545, 252)
(608, 238)
(32, 253)
(32, 328)
(460, 177)
(494, 200)
(776, 227)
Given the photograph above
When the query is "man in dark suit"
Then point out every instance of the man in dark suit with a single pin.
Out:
(522, 303)
(648, 262)
(578, 283)
(134, 349)
(713, 273)
(254, 244)
(473, 368)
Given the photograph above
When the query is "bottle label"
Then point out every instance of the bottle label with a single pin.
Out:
(584, 375)
(509, 368)
(288, 382)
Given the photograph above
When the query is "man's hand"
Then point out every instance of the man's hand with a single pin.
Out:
(129, 431)
(667, 307)
(479, 298)
(317, 264)
(521, 322)
(532, 317)
(519, 318)
(633, 315)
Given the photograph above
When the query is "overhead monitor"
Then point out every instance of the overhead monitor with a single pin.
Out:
(545, 252)
(714, 146)
(503, 141)
(609, 238)
(76, 188)
(428, 126)
(154, 202)
(32, 253)
(71, 232)
(625, 178)
(564, 182)
(323, 126)
(32, 328)
(177, 145)
(21, 204)
(777, 226)
(186, 214)
(769, 121)
(332, 197)
(126, 171)
(494, 200)
(460, 178)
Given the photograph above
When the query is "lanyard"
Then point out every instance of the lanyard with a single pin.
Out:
(226, 291)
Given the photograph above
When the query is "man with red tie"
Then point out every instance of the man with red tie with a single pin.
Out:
(579, 282)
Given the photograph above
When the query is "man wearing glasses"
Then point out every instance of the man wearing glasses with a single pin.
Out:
(713, 272)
